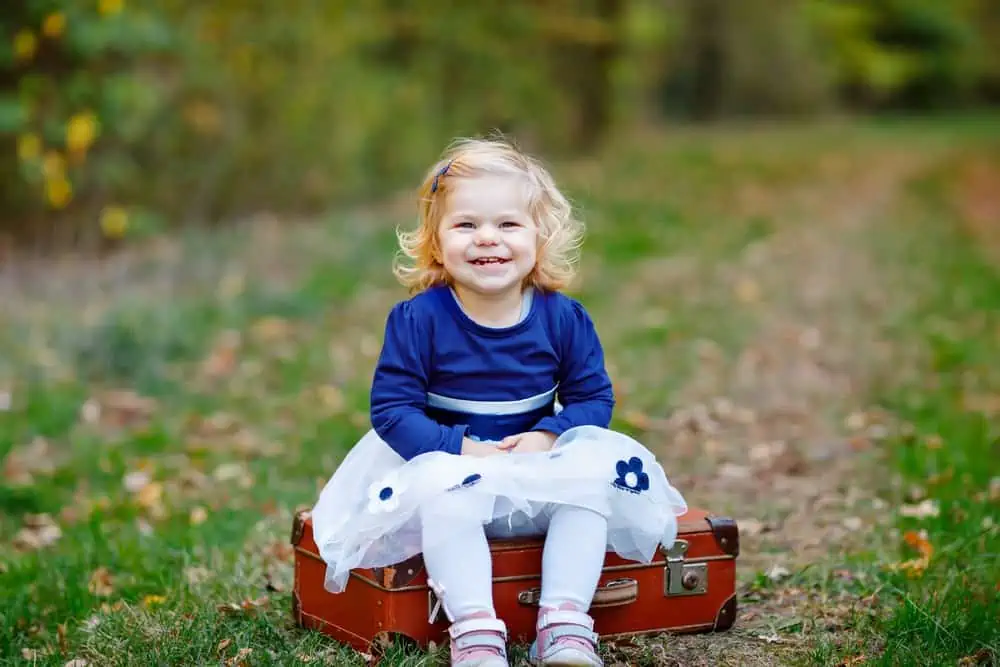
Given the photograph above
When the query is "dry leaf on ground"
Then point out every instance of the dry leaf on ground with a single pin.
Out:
(245, 606)
(101, 582)
(39, 531)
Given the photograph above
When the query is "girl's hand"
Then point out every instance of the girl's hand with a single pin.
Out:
(532, 441)
(472, 447)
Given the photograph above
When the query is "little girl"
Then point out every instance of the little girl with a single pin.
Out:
(490, 408)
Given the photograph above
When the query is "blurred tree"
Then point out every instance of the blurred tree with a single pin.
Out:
(119, 117)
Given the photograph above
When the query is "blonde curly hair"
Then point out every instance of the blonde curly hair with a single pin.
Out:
(560, 235)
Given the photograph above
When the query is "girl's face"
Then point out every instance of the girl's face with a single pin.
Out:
(488, 239)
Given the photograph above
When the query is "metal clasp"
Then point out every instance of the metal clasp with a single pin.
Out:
(680, 577)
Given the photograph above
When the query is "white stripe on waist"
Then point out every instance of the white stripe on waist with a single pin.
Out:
(491, 407)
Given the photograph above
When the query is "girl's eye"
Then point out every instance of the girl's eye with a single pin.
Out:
(510, 224)
(464, 225)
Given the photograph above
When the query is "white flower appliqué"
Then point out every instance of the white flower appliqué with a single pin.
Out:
(383, 495)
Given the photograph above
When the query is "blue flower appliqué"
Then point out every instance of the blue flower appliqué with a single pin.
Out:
(631, 477)
(467, 482)
(384, 494)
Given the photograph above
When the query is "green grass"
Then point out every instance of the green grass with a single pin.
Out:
(229, 456)
(952, 452)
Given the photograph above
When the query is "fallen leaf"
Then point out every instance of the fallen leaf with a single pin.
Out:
(734, 471)
(144, 527)
(919, 541)
(927, 508)
(853, 523)
(778, 573)
(35, 653)
(229, 471)
(245, 606)
(195, 575)
(77, 662)
(934, 441)
(39, 531)
(222, 358)
(151, 600)
(272, 582)
(101, 582)
(981, 657)
(149, 497)
(90, 411)
(25, 462)
(853, 660)
(915, 567)
(223, 645)
(118, 408)
(136, 481)
(856, 421)
(198, 515)
(239, 659)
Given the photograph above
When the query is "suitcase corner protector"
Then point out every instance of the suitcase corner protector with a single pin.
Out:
(726, 616)
(726, 533)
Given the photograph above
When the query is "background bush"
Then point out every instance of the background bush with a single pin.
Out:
(119, 118)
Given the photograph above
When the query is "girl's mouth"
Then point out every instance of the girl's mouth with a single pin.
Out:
(482, 261)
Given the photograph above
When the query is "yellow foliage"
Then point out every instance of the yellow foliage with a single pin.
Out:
(109, 7)
(81, 130)
(204, 117)
(25, 45)
(58, 191)
(54, 25)
(29, 147)
(54, 164)
(114, 222)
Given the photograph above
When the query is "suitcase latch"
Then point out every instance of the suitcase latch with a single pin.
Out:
(681, 578)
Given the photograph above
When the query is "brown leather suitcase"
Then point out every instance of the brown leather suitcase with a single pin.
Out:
(690, 588)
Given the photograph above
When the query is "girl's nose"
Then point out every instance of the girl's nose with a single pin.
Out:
(485, 234)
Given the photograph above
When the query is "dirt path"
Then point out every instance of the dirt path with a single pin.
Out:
(780, 437)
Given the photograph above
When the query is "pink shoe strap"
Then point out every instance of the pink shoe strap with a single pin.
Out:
(547, 617)
(475, 624)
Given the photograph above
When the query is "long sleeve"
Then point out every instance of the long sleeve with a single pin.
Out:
(399, 390)
(585, 390)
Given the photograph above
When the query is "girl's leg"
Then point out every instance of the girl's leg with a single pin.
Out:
(457, 558)
(573, 557)
(572, 561)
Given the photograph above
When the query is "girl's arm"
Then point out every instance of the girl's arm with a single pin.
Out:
(399, 391)
(585, 390)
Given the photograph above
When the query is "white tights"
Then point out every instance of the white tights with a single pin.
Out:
(457, 555)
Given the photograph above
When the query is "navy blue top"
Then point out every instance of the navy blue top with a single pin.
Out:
(441, 376)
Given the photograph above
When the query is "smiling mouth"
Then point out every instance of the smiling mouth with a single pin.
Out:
(483, 261)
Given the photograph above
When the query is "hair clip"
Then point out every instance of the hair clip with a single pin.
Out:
(444, 170)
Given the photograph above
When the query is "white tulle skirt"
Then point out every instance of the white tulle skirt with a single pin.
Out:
(371, 510)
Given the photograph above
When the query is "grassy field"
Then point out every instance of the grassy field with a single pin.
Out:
(803, 321)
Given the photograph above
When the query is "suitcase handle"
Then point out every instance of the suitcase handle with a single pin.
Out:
(615, 593)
